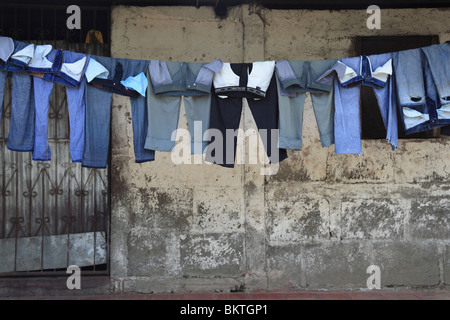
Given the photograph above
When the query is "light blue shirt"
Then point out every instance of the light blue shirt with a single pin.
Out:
(137, 83)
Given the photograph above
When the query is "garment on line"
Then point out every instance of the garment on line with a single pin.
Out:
(99, 79)
(347, 75)
(49, 66)
(21, 130)
(183, 78)
(248, 83)
(98, 121)
(170, 84)
(226, 110)
(294, 79)
(422, 79)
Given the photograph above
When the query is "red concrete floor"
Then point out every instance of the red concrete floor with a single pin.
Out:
(249, 296)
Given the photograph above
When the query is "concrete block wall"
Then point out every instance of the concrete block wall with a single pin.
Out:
(321, 220)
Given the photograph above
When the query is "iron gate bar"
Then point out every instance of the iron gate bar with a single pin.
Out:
(60, 197)
(41, 26)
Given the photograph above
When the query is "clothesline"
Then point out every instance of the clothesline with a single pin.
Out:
(414, 82)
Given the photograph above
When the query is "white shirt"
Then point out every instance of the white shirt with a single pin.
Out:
(258, 79)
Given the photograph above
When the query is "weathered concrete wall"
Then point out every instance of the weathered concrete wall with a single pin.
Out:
(321, 220)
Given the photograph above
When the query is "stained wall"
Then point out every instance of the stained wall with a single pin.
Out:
(321, 220)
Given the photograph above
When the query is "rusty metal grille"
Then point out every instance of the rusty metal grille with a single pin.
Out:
(52, 214)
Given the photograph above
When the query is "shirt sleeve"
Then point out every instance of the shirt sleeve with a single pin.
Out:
(206, 74)
(159, 73)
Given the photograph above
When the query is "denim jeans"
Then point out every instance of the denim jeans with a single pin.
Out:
(46, 62)
(182, 78)
(291, 118)
(139, 112)
(3, 76)
(73, 66)
(97, 76)
(10, 65)
(21, 130)
(68, 68)
(23, 53)
(421, 79)
(98, 116)
(42, 92)
(98, 121)
(169, 81)
(348, 75)
(163, 115)
(294, 79)
(76, 101)
(76, 106)
(438, 58)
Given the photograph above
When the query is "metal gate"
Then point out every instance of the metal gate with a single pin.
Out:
(52, 214)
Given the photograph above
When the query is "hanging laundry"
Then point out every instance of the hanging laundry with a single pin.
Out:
(294, 79)
(98, 118)
(249, 83)
(422, 78)
(212, 94)
(99, 98)
(137, 83)
(21, 125)
(21, 130)
(97, 76)
(41, 65)
(23, 53)
(45, 61)
(9, 46)
(169, 81)
(95, 70)
(48, 66)
(6, 48)
(139, 110)
(256, 82)
(348, 75)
